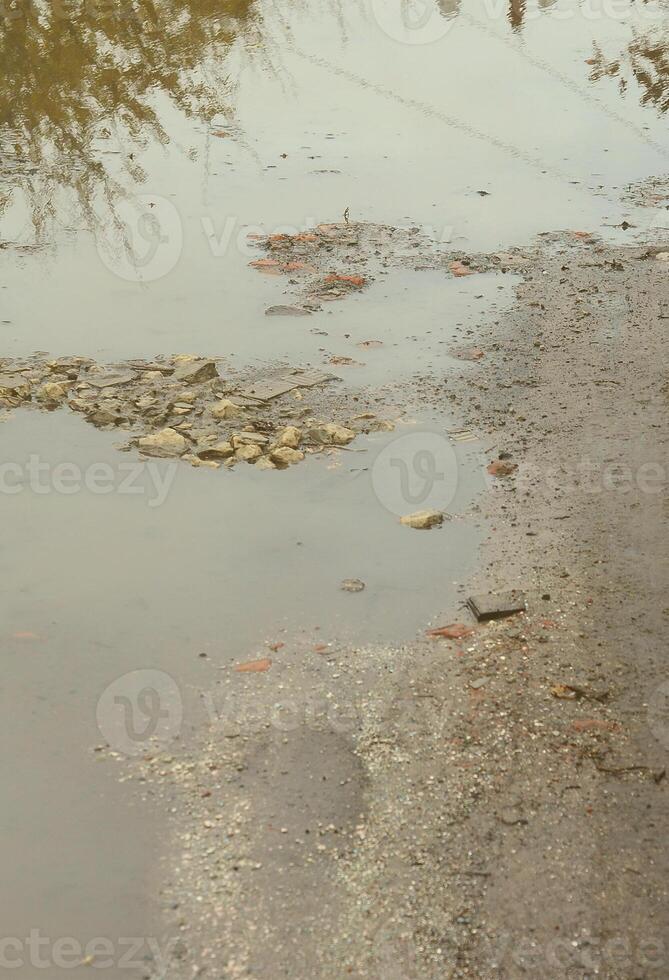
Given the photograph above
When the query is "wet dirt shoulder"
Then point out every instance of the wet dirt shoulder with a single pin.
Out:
(561, 712)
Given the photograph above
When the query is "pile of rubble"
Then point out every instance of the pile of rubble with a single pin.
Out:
(181, 407)
(332, 261)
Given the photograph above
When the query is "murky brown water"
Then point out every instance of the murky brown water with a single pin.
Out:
(139, 146)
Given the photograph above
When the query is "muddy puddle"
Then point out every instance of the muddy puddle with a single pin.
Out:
(142, 159)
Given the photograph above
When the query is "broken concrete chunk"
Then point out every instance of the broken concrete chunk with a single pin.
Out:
(195, 372)
(138, 364)
(109, 380)
(496, 606)
(308, 377)
(249, 439)
(14, 386)
(352, 585)
(330, 434)
(188, 397)
(146, 401)
(284, 456)
(264, 389)
(422, 520)
(225, 409)
(287, 311)
(51, 393)
(222, 450)
(79, 405)
(248, 453)
(265, 463)
(267, 388)
(105, 416)
(167, 442)
(290, 436)
(64, 363)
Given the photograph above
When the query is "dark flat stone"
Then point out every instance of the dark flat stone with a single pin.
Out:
(497, 605)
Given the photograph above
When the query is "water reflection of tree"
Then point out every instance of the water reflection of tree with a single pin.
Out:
(647, 60)
(76, 73)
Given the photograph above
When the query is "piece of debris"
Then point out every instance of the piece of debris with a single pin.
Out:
(291, 437)
(469, 354)
(594, 725)
(341, 360)
(254, 666)
(222, 450)
(571, 692)
(272, 386)
(496, 606)
(422, 520)
(454, 631)
(226, 409)
(196, 372)
(462, 435)
(478, 684)
(460, 269)
(287, 311)
(109, 380)
(14, 388)
(285, 456)
(357, 282)
(501, 468)
(272, 266)
(370, 344)
(352, 585)
(248, 452)
(51, 393)
(330, 434)
(167, 442)
(565, 692)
